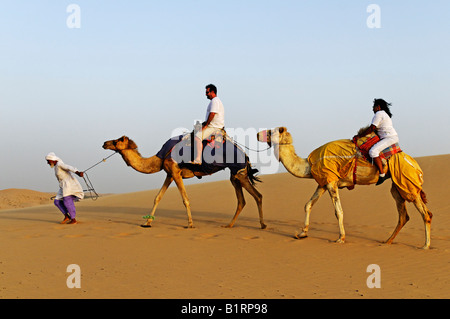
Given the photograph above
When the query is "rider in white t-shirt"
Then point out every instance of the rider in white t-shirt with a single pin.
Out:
(382, 124)
(214, 121)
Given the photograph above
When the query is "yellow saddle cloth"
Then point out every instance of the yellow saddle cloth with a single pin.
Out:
(337, 159)
(406, 175)
(332, 161)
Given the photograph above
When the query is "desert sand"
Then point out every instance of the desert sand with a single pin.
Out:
(13, 198)
(119, 259)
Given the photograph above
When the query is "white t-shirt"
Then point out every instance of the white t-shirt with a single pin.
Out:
(216, 106)
(384, 125)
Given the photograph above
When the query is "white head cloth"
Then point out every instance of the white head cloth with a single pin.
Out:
(52, 157)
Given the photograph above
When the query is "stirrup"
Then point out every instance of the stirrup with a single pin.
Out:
(382, 179)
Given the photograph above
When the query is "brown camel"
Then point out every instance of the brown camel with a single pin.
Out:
(281, 140)
(244, 178)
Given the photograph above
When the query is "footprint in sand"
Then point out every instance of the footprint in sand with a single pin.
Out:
(206, 236)
(33, 236)
(123, 235)
(74, 236)
(162, 236)
(251, 237)
(99, 228)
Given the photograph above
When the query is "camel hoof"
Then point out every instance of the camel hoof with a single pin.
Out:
(263, 226)
(227, 226)
(340, 241)
(300, 235)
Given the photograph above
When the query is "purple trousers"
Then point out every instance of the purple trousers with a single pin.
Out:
(66, 206)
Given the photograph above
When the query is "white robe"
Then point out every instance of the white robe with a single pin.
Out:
(68, 184)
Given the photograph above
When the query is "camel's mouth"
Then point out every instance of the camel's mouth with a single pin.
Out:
(108, 145)
(264, 136)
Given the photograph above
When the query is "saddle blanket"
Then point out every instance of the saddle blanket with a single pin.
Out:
(332, 161)
(406, 175)
(391, 150)
(337, 159)
(364, 144)
(216, 156)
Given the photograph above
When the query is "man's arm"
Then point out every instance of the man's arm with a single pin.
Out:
(70, 169)
(367, 131)
(210, 118)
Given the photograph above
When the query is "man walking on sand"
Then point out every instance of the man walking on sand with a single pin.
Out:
(70, 189)
(214, 121)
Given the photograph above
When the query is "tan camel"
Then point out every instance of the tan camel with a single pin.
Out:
(281, 140)
(244, 178)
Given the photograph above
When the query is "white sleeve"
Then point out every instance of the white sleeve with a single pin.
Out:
(377, 118)
(68, 167)
(214, 106)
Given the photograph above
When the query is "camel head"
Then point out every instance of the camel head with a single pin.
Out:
(123, 143)
(278, 135)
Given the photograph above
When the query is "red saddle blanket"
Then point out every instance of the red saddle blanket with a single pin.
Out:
(365, 146)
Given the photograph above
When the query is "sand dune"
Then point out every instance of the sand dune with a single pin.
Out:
(20, 198)
(119, 259)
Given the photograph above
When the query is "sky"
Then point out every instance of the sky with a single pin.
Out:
(71, 79)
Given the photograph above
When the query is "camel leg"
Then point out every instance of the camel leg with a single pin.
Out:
(427, 216)
(402, 213)
(240, 198)
(308, 207)
(258, 199)
(158, 198)
(334, 193)
(180, 185)
(247, 185)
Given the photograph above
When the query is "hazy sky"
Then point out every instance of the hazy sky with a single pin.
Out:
(139, 68)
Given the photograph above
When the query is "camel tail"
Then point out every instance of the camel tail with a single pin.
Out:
(251, 172)
(423, 196)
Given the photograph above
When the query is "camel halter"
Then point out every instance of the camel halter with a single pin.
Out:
(250, 149)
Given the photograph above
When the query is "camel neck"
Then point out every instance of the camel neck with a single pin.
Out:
(295, 165)
(148, 165)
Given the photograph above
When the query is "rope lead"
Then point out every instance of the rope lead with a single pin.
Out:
(90, 188)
